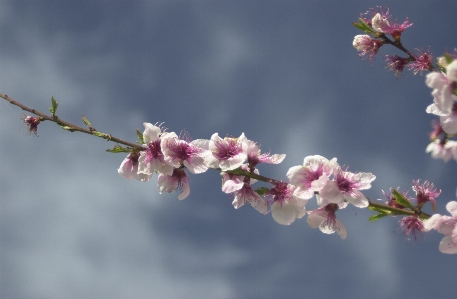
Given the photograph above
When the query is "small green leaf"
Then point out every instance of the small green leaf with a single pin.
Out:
(262, 190)
(87, 122)
(377, 217)
(140, 136)
(380, 210)
(67, 128)
(448, 58)
(401, 199)
(54, 105)
(119, 149)
(362, 25)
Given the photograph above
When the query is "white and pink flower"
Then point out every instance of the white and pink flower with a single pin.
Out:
(178, 152)
(240, 187)
(446, 225)
(228, 153)
(324, 218)
(151, 159)
(285, 206)
(311, 176)
(177, 181)
(129, 168)
(345, 186)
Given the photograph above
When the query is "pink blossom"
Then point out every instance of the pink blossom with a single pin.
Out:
(240, 187)
(152, 159)
(422, 63)
(443, 90)
(325, 218)
(426, 193)
(345, 186)
(367, 46)
(439, 151)
(446, 225)
(129, 168)
(177, 181)
(311, 176)
(382, 23)
(449, 121)
(255, 157)
(412, 226)
(228, 153)
(31, 123)
(396, 63)
(451, 145)
(285, 206)
(178, 152)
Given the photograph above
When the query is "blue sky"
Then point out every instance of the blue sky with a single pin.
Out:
(284, 73)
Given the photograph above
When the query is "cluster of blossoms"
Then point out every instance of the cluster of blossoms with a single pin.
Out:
(444, 85)
(169, 155)
(172, 156)
(413, 225)
(378, 23)
(443, 79)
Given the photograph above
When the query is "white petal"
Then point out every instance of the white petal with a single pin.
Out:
(185, 188)
(151, 133)
(431, 222)
(452, 208)
(284, 213)
(316, 217)
(447, 246)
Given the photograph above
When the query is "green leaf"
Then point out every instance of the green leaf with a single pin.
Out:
(448, 58)
(401, 199)
(362, 25)
(380, 210)
(119, 149)
(377, 217)
(54, 105)
(140, 136)
(262, 190)
(87, 122)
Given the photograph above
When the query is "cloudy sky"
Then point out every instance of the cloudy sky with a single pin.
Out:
(284, 73)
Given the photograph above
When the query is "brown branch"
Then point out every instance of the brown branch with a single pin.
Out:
(71, 127)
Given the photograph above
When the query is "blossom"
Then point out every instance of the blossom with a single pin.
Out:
(367, 45)
(152, 159)
(446, 225)
(255, 157)
(325, 218)
(345, 186)
(412, 226)
(443, 88)
(129, 168)
(178, 152)
(228, 153)
(396, 63)
(240, 187)
(382, 23)
(449, 121)
(31, 123)
(311, 176)
(451, 145)
(437, 130)
(422, 62)
(177, 181)
(426, 193)
(285, 206)
(439, 151)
